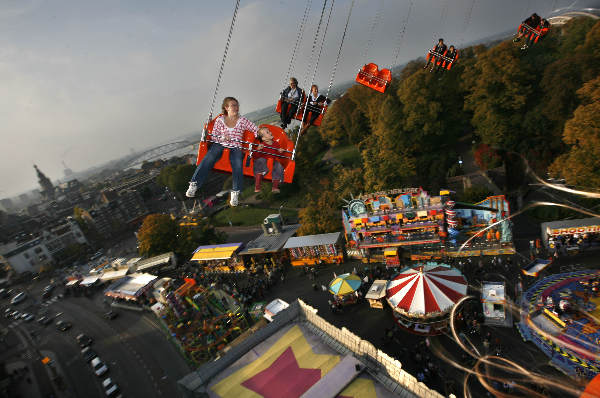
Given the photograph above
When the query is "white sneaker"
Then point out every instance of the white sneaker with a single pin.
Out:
(191, 191)
(235, 198)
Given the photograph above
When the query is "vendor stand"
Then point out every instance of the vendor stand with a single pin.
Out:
(220, 258)
(315, 249)
(376, 293)
(344, 287)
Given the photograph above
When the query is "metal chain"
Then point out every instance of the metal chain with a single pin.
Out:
(337, 60)
(372, 31)
(314, 45)
(322, 43)
(312, 80)
(214, 99)
(467, 22)
(298, 39)
(401, 36)
(444, 12)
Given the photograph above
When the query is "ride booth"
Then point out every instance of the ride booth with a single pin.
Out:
(376, 293)
(409, 218)
(422, 296)
(222, 258)
(267, 249)
(494, 304)
(485, 225)
(316, 249)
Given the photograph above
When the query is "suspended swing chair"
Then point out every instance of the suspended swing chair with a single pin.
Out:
(304, 112)
(370, 74)
(445, 59)
(286, 153)
(249, 148)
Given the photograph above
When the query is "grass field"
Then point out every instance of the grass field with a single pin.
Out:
(347, 155)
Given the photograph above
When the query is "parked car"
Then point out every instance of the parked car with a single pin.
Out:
(88, 354)
(99, 367)
(44, 321)
(4, 293)
(84, 340)
(46, 295)
(111, 315)
(63, 325)
(110, 387)
(18, 298)
(7, 312)
(28, 317)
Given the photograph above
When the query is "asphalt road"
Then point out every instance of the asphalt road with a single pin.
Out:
(139, 357)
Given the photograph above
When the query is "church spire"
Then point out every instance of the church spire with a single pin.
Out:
(45, 183)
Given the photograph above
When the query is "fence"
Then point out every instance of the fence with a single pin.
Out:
(384, 368)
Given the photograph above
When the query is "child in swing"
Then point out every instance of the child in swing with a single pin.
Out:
(268, 147)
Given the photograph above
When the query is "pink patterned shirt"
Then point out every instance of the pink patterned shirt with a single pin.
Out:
(231, 137)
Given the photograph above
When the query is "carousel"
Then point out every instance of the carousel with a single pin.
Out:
(422, 296)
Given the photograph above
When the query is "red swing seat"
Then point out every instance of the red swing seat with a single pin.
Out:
(370, 76)
(300, 112)
(446, 62)
(250, 144)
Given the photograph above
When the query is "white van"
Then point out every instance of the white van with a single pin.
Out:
(99, 367)
(273, 308)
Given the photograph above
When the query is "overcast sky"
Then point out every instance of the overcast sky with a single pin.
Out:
(85, 81)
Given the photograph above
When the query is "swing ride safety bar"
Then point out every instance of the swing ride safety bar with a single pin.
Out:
(439, 55)
(532, 30)
(249, 146)
(372, 77)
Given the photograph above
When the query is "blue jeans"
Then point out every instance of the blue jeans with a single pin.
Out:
(214, 153)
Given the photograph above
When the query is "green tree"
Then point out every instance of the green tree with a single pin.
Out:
(176, 177)
(158, 234)
(499, 86)
(321, 213)
(581, 164)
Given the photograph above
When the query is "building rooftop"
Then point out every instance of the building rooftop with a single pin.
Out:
(300, 354)
(312, 240)
(270, 243)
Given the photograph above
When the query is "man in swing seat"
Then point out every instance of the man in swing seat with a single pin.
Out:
(290, 99)
(439, 49)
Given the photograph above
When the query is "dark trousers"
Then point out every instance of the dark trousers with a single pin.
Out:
(288, 110)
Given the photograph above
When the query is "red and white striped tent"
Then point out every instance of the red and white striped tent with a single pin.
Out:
(426, 290)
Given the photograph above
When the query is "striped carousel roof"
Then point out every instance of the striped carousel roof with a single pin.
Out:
(426, 289)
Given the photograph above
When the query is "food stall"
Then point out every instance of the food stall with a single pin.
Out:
(376, 293)
(219, 258)
(315, 249)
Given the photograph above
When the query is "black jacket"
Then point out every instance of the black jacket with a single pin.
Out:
(286, 91)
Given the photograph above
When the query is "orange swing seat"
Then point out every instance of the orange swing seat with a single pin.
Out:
(300, 112)
(370, 76)
(249, 145)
